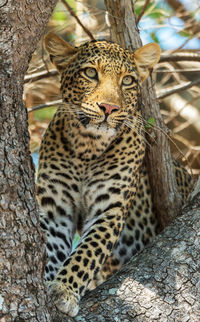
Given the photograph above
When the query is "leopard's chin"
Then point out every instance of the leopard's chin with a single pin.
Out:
(101, 128)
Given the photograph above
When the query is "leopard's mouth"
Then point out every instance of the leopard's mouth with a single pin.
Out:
(99, 123)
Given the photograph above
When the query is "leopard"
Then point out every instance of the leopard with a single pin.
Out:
(92, 179)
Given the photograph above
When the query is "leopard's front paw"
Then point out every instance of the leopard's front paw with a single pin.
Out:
(64, 298)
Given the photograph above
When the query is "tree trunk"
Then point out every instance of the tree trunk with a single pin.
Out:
(23, 294)
(166, 198)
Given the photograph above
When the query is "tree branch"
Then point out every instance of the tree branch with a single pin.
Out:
(45, 105)
(37, 76)
(176, 89)
(181, 56)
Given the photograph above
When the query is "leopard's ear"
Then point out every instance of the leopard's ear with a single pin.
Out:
(59, 51)
(145, 58)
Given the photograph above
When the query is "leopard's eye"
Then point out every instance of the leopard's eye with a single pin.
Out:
(91, 72)
(128, 80)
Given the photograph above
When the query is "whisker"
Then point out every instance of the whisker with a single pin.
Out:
(157, 128)
(139, 130)
(137, 127)
(73, 109)
(141, 122)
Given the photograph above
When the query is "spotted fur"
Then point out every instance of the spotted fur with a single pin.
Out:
(91, 175)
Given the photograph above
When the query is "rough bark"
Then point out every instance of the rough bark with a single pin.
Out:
(23, 294)
(167, 201)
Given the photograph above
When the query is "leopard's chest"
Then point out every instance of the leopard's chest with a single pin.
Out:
(91, 144)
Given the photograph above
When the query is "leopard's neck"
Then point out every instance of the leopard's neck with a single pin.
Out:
(76, 140)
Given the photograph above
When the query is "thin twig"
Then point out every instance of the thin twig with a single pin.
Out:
(142, 11)
(48, 104)
(72, 13)
(180, 57)
(37, 76)
(176, 89)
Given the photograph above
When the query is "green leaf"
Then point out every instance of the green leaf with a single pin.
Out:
(59, 16)
(150, 123)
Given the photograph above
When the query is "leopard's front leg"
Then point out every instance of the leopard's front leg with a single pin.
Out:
(80, 268)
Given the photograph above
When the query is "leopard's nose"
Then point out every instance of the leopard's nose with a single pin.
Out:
(108, 108)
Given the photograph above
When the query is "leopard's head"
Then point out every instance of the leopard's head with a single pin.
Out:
(100, 80)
